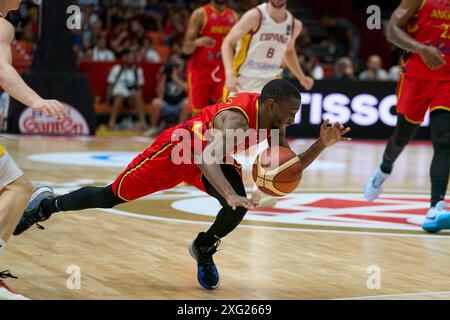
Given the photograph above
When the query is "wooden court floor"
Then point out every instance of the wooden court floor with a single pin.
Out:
(139, 250)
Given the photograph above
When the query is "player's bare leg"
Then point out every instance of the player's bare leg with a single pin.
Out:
(13, 200)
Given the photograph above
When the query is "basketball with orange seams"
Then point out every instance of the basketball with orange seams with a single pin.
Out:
(277, 171)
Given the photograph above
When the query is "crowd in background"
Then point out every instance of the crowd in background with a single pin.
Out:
(111, 28)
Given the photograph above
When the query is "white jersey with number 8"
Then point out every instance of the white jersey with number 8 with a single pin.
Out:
(260, 54)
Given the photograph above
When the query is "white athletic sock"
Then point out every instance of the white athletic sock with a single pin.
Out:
(2, 246)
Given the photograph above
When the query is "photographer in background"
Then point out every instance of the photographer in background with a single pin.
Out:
(125, 87)
(171, 100)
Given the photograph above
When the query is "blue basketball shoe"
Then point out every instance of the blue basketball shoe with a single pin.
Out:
(437, 219)
(207, 274)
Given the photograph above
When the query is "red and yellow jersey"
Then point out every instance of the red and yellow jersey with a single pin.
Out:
(216, 26)
(431, 25)
(200, 126)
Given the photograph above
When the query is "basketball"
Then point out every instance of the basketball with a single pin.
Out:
(277, 171)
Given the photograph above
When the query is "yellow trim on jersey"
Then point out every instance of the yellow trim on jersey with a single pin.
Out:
(196, 129)
(439, 108)
(400, 86)
(225, 94)
(192, 108)
(422, 5)
(257, 116)
(234, 107)
(241, 57)
(2, 150)
(153, 156)
(411, 121)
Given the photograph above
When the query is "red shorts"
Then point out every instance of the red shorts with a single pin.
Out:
(153, 170)
(205, 86)
(415, 96)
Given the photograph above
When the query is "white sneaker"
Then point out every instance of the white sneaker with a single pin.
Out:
(437, 219)
(374, 185)
(7, 294)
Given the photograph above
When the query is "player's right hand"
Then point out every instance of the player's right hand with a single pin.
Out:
(51, 108)
(205, 42)
(235, 201)
(432, 56)
(232, 84)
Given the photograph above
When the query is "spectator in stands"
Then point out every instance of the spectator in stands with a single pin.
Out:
(176, 27)
(374, 71)
(101, 52)
(153, 15)
(118, 39)
(171, 100)
(125, 87)
(83, 3)
(342, 35)
(93, 34)
(138, 4)
(149, 53)
(344, 69)
(311, 66)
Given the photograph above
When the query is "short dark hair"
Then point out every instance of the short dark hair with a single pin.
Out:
(279, 90)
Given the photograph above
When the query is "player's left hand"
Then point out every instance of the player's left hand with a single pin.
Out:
(307, 83)
(330, 135)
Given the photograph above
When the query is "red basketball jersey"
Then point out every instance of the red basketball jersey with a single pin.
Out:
(431, 25)
(246, 103)
(216, 26)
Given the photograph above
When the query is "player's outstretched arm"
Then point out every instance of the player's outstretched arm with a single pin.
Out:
(396, 34)
(247, 24)
(226, 120)
(329, 135)
(14, 85)
(292, 62)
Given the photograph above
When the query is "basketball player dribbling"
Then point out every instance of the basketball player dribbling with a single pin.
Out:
(156, 168)
(255, 50)
(422, 28)
(15, 189)
(207, 28)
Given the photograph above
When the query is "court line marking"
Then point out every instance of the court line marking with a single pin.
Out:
(395, 295)
(367, 233)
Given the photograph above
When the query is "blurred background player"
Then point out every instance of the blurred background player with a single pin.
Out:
(422, 28)
(15, 189)
(207, 28)
(257, 47)
(255, 50)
